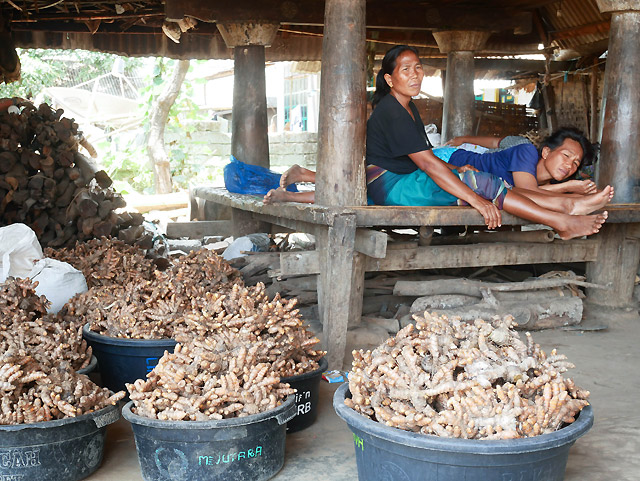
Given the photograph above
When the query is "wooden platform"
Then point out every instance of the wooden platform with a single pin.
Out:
(347, 247)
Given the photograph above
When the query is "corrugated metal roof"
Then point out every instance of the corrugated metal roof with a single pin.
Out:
(136, 30)
(576, 23)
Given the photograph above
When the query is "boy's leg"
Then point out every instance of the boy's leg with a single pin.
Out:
(294, 174)
(574, 205)
(567, 226)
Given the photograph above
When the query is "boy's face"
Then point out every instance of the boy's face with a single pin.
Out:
(563, 161)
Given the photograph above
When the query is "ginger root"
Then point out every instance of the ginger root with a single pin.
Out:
(478, 381)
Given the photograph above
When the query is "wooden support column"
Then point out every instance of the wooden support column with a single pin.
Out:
(459, 100)
(619, 163)
(337, 285)
(340, 179)
(249, 126)
(615, 267)
(593, 102)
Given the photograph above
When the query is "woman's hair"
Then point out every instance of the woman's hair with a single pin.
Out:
(388, 66)
(556, 139)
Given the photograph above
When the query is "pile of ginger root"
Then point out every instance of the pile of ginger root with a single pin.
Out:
(211, 378)
(26, 326)
(39, 356)
(198, 296)
(478, 380)
(32, 392)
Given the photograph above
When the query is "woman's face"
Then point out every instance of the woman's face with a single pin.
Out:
(563, 161)
(406, 79)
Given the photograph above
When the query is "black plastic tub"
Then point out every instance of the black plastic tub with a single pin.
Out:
(236, 449)
(91, 367)
(125, 360)
(385, 453)
(60, 450)
(308, 392)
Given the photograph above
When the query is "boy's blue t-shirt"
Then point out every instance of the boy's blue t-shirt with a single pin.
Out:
(521, 158)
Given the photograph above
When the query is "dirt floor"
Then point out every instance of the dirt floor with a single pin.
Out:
(607, 360)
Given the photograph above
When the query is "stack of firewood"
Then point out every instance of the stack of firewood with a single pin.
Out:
(50, 186)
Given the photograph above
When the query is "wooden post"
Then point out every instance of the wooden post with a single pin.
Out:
(249, 126)
(549, 97)
(459, 100)
(593, 130)
(340, 179)
(616, 266)
(619, 162)
(337, 285)
(342, 123)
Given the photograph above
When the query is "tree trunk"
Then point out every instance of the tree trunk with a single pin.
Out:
(158, 120)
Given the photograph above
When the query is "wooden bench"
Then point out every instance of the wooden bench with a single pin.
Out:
(348, 247)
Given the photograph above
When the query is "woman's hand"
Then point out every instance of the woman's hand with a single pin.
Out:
(467, 168)
(489, 211)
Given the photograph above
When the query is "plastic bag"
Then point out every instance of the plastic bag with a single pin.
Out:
(57, 281)
(241, 178)
(19, 249)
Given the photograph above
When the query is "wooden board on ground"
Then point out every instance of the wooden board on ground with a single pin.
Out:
(198, 229)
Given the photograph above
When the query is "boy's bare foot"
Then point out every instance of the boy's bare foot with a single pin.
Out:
(282, 195)
(275, 195)
(294, 174)
(589, 203)
(581, 225)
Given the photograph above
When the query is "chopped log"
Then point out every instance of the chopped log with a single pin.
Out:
(473, 288)
(102, 229)
(555, 312)
(87, 207)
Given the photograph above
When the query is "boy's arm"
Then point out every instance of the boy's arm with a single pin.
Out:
(484, 141)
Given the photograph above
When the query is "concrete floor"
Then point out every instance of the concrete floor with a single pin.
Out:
(608, 364)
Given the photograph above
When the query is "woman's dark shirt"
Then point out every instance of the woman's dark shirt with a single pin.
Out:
(392, 135)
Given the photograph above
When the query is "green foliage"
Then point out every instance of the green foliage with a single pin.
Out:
(51, 68)
(124, 155)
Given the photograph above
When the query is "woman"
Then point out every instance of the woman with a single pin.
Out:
(402, 170)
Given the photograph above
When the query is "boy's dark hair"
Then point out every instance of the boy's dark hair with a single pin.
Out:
(556, 139)
(388, 66)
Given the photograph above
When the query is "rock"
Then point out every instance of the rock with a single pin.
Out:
(390, 325)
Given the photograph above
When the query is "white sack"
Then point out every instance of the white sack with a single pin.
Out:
(57, 281)
(19, 249)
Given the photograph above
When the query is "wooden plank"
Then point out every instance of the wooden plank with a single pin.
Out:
(314, 214)
(479, 255)
(449, 256)
(371, 243)
(336, 248)
(198, 229)
(299, 263)
(404, 216)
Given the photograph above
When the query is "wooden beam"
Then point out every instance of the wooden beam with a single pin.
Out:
(371, 243)
(442, 257)
(479, 255)
(589, 29)
(314, 214)
(504, 65)
(198, 229)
